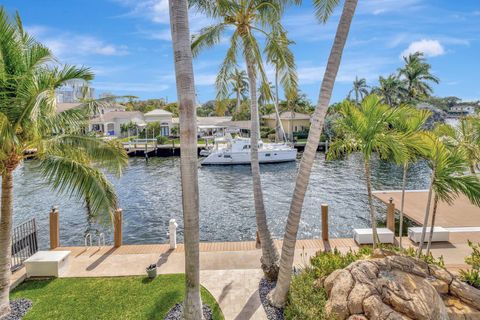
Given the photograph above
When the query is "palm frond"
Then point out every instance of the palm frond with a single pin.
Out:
(324, 9)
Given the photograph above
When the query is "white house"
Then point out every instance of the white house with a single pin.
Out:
(462, 110)
(110, 123)
(163, 117)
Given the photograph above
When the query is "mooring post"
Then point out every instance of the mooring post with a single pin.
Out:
(117, 228)
(172, 232)
(391, 215)
(325, 222)
(54, 228)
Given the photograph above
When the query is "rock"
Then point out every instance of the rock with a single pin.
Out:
(414, 297)
(458, 310)
(440, 273)
(466, 293)
(399, 287)
(359, 293)
(375, 309)
(337, 303)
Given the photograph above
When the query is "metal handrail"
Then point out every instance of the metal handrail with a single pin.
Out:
(101, 236)
(88, 236)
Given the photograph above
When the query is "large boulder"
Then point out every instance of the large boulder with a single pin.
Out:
(399, 287)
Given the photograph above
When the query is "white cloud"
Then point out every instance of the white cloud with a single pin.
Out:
(377, 7)
(430, 48)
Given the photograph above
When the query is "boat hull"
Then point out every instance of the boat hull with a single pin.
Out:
(264, 156)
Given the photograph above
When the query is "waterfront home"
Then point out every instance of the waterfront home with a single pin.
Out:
(163, 117)
(109, 124)
(462, 110)
(209, 126)
(293, 122)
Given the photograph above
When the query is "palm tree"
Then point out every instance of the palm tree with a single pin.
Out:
(360, 89)
(391, 90)
(29, 122)
(417, 77)
(410, 122)
(367, 129)
(192, 306)
(465, 136)
(324, 9)
(448, 181)
(248, 19)
(239, 83)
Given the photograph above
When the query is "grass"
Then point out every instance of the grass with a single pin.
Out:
(107, 298)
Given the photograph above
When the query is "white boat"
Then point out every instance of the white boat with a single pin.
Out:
(229, 150)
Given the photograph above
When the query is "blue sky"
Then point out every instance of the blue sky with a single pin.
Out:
(127, 43)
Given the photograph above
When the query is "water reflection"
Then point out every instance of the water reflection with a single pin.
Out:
(150, 195)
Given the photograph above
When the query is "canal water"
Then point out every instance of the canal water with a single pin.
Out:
(150, 195)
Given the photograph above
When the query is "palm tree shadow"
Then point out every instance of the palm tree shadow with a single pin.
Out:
(250, 307)
(102, 258)
(164, 258)
(225, 291)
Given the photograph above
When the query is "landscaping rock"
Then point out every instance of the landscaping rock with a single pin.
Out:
(176, 313)
(399, 287)
(264, 289)
(18, 309)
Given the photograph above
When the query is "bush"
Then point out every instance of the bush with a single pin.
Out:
(472, 276)
(162, 139)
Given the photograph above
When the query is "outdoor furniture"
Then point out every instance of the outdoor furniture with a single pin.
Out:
(439, 234)
(365, 236)
(47, 263)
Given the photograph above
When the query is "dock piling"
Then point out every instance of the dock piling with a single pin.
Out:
(172, 232)
(54, 228)
(391, 215)
(117, 227)
(325, 222)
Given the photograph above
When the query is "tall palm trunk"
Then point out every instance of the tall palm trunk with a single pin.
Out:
(237, 107)
(192, 307)
(278, 296)
(402, 205)
(6, 240)
(427, 215)
(279, 132)
(269, 259)
(434, 214)
(373, 212)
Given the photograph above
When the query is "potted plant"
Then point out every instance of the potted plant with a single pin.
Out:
(152, 271)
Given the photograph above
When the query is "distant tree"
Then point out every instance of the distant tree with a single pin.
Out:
(238, 82)
(391, 89)
(417, 77)
(173, 108)
(360, 89)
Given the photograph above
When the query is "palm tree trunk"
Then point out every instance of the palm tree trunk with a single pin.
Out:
(237, 107)
(269, 260)
(402, 206)
(279, 132)
(373, 212)
(6, 240)
(278, 296)
(472, 168)
(427, 215)
(434, 214)
(192, 306)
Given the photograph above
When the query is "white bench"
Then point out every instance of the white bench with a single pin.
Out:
(439, 234)
(47, 263)
(365, 236)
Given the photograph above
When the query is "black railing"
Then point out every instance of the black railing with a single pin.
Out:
(24, 243)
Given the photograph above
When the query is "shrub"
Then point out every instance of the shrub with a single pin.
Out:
(472, 276)
(162, 139)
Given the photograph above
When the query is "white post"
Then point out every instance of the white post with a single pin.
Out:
(172, 231)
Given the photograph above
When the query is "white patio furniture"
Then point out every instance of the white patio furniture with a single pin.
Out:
(439, 234)
(47, 263)
(365, 236)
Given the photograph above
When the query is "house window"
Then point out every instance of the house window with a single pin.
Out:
(227, 156)
(267, 155)
(164, 129)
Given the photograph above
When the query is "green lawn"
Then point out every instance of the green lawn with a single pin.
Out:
(106, 298)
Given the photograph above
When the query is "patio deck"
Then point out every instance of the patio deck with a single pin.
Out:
(461, 214)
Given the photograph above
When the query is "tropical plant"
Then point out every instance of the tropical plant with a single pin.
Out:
(323, 10)
(391, 89)
(472, 275)
(238, 81)
(249, 20)
(192, 306)
(448, 182)
(360, 89)
(367, 129)
(417, 77)
(410, 122)
(464, 136)
(30, 127)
